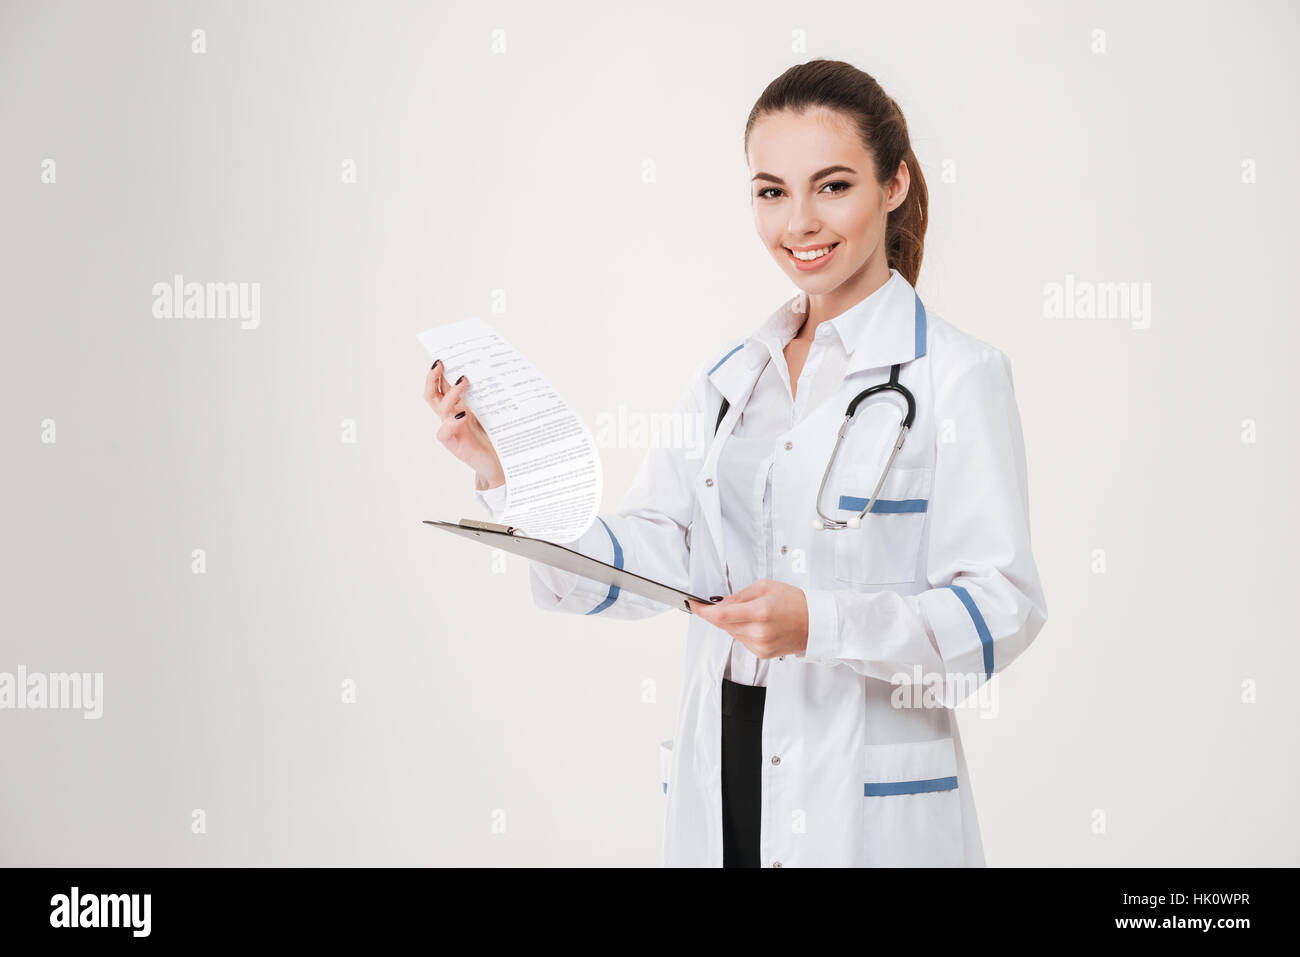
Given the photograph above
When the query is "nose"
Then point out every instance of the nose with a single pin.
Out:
(803, 221)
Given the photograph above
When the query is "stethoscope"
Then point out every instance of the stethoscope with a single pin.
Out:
(833, 524)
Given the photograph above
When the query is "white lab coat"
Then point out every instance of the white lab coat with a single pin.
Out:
(848, 779)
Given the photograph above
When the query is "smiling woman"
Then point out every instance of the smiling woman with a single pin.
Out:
(832, 221)
(794, 744)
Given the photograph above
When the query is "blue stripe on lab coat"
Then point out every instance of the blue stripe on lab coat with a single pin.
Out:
(618, 563)
(986, 639)
(920, 328)
(882, 788)
(855, 504)
(725, 358)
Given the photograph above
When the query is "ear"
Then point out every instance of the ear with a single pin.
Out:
(897, 189)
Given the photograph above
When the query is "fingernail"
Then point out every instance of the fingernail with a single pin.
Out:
(460, 380)
(435, 363)
(460, 415)
(716, 598)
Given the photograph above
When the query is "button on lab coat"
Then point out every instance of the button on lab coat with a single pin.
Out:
(939, 581)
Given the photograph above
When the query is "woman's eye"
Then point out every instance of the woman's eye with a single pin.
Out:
(764, 193)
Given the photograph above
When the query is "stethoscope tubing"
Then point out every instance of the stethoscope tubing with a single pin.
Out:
(824, 521)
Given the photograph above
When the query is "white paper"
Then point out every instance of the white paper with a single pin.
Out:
(550, 459)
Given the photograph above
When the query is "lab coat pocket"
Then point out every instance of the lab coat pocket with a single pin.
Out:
(886, 549)
(665, 762)
(912, 805)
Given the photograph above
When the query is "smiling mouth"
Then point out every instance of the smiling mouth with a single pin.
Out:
(812, 254)
(812, 258)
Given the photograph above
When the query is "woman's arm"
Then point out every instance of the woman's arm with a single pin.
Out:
(646, 535)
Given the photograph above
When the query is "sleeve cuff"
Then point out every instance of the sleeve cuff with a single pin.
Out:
(595, 543)
(493, 500)
(823, 625)
(552, 583)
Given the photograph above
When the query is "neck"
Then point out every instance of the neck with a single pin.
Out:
(845, 296)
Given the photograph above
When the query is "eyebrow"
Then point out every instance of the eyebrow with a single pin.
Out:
(812, 179)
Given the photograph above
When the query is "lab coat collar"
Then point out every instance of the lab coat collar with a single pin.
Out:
(886, 327)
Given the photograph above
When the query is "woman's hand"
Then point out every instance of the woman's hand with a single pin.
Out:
(769, 618)
(461, 432)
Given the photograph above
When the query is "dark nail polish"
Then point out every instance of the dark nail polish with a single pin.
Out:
(460, 415)
(716, 598)
(435, 363)
(460, 380)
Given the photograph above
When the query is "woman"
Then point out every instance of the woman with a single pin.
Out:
(802, 738)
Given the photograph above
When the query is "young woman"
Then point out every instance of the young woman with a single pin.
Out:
(816, 724)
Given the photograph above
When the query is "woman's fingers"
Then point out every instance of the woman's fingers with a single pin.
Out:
(443, 398)
(433, 385)
(452, 396)
(447, 429)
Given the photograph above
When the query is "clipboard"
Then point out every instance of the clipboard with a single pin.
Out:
(511, 539)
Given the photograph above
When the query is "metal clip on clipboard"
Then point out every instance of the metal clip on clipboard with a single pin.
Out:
(488, 526)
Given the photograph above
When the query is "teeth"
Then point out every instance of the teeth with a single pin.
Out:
(811, 254)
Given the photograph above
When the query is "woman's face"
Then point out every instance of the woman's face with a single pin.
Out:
(814, 188)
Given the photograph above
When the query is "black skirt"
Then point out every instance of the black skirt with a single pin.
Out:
(742, 772)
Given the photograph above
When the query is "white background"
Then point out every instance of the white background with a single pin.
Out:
(525, 171)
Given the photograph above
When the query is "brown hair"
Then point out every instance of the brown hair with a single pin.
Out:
(846, 89)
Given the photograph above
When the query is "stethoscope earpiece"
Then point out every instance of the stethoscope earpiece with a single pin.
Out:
(855, 521)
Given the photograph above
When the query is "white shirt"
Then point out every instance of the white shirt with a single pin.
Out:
(745, 460)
